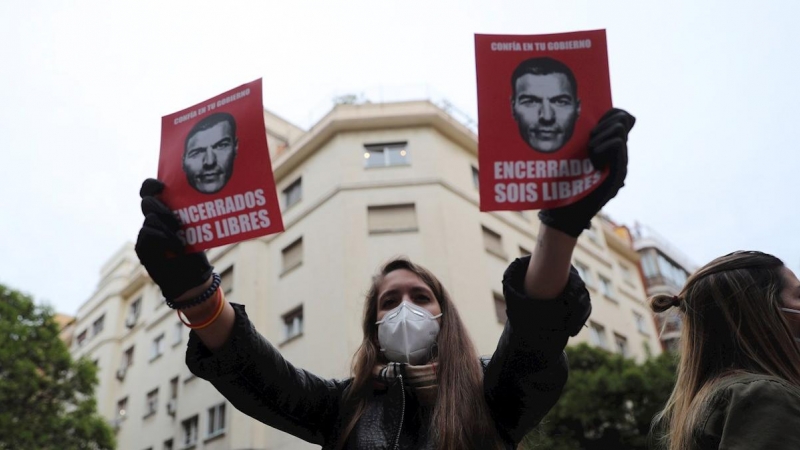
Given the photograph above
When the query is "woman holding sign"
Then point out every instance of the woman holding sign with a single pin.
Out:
(738, 381)
(417, 382)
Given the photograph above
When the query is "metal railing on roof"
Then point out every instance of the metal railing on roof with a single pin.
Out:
(390, 94)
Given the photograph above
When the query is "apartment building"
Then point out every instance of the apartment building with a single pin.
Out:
(664, 271)
(365, 183)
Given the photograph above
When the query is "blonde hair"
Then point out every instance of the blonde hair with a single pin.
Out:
(732, 323)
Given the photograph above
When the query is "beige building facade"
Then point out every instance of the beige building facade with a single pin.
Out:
(665, 270)
(364, 184)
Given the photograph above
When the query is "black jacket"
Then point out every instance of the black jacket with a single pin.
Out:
(523, 379)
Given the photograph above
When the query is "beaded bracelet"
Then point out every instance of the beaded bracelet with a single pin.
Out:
(199, 299)
(219, 307)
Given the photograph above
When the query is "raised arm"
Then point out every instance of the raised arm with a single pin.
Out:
(549, 267)
(546, 300)
(180, 275)
(230, 353)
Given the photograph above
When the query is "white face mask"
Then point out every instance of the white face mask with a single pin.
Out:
(793, 311)
(407, 334)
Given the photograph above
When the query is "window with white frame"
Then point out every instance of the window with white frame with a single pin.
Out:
(524, 251)
(216, 420)
(168, 445)
(607, 288)
(97, 325)
(293, 193)
(81, 339)
(127, 358)
(621, 343)
(189, 427)
(386, 155)
(641, 324)
(177, 333)
(391, 218)
(476, 178)
(593, 234)
(627, 274)
(136, 308)
(493, 243)
(585, 273)
(293, 323)
(157, 347)
(122, 408)
(500, 307)
(152, 402)
(173, 388)
(292, 255)
(226, 283)
(598, 335)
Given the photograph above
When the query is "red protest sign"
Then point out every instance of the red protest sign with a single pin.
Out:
(538, 98)
(215, 164)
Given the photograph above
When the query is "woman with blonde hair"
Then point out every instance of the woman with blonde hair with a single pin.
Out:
(738, 384)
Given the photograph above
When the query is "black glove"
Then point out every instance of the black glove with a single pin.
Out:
(608, 145)
(160, 250)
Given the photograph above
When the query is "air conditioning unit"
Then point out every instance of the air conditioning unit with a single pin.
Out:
(130, 321)
(172, 406)
(121, 373)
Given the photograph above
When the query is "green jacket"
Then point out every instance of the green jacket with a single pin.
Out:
(751, 412)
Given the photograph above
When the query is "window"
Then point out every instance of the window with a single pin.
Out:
(641, 325)
(133, 312)
(189, 431)
(293, 323)
(607, 289)
(493, 243)
(97, 326)
(475, 178)
(292, 255)
(152, 402)
(122, 408)
(500, 307)
(127, 358)
(592, 234)
(585, 274)
(293, 193)
(177, 333)
(598, 335)
(391, 218)
(173, 388)
(216, 420)
(627, 275)
(226, 282)
(385, 155)
(81, 339)
(649, 265)
(524, 251)
(168, 444)
(157, 349)
(136, 308)
(621, 342)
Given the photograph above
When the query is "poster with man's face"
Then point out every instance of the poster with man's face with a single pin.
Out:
(539, 96)
(216, 167)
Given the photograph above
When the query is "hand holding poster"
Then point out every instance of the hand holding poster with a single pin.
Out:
(216, 167)
(538, 99)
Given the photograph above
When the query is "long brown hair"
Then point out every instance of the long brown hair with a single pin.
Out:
(461, 417)
(732, 323)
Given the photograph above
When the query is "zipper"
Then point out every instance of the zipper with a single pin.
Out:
(402, 414)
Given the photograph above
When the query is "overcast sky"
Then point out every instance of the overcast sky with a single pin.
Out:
(83, 85)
